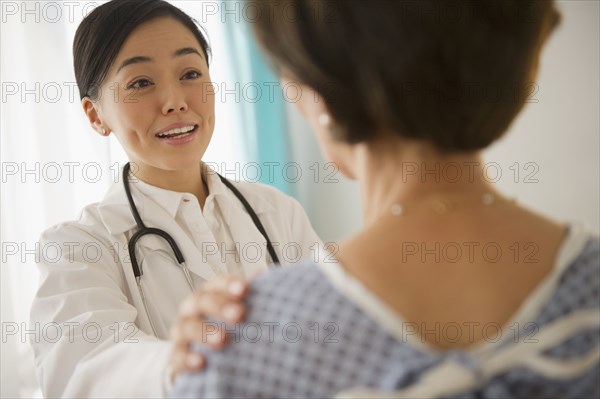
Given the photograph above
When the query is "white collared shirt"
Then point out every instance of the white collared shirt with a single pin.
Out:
(208, 228)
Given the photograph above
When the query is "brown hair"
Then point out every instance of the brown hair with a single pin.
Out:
(455, 73)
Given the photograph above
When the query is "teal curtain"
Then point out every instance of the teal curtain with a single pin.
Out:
(261, 105)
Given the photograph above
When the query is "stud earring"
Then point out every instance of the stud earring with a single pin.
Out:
(330, 124)
(324, 119)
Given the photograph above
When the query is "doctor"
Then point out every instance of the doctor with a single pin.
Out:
(142, 71)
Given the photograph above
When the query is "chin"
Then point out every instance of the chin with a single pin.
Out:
(342, 167)
(348, 173)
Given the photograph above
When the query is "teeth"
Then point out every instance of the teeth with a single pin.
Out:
(176, 131)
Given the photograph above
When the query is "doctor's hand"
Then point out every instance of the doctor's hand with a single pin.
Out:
(220, 299)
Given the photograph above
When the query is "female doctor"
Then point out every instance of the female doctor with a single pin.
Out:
(142, 72)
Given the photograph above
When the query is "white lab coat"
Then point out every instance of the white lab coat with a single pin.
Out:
(88, 291)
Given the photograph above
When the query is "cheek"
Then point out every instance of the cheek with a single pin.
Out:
(132, 118)
(123, 113)
(203, 103)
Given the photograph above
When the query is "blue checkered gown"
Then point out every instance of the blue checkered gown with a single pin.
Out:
(304, 339)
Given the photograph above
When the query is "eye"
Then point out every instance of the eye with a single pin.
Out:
(139, 84)
(191, 75)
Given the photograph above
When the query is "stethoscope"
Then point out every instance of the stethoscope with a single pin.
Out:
(143, 231)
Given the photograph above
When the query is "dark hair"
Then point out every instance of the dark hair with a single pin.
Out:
(399, 66)
(102, 33)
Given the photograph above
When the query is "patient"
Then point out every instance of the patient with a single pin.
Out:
(450, 289)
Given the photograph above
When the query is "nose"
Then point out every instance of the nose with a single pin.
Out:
(174, 101)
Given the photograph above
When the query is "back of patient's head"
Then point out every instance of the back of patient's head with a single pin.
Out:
(454, 73)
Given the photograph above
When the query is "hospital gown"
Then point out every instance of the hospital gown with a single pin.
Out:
(316, 332)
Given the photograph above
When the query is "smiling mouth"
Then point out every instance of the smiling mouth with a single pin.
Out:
(178, 132)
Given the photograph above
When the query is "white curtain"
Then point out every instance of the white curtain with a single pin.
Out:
(53, 163)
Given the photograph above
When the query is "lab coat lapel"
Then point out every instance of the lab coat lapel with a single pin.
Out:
(117, 217)
(155, 216)
(244, 233)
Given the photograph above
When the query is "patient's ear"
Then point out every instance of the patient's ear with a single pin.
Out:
(92, 113)
(313, 107)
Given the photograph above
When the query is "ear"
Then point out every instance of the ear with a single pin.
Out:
(314, 107)
(92, 112)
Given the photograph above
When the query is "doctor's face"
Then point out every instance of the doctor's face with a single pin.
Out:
(157, 97)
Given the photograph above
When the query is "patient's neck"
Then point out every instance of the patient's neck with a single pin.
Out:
(410, 173)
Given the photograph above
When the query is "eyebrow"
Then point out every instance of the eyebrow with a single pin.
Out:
(140, 58)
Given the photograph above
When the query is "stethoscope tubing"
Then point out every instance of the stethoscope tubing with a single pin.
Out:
(143, 230)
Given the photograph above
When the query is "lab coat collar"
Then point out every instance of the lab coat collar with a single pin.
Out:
(116, 215)
(217, 191)
(169, 200)
(227, 200)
